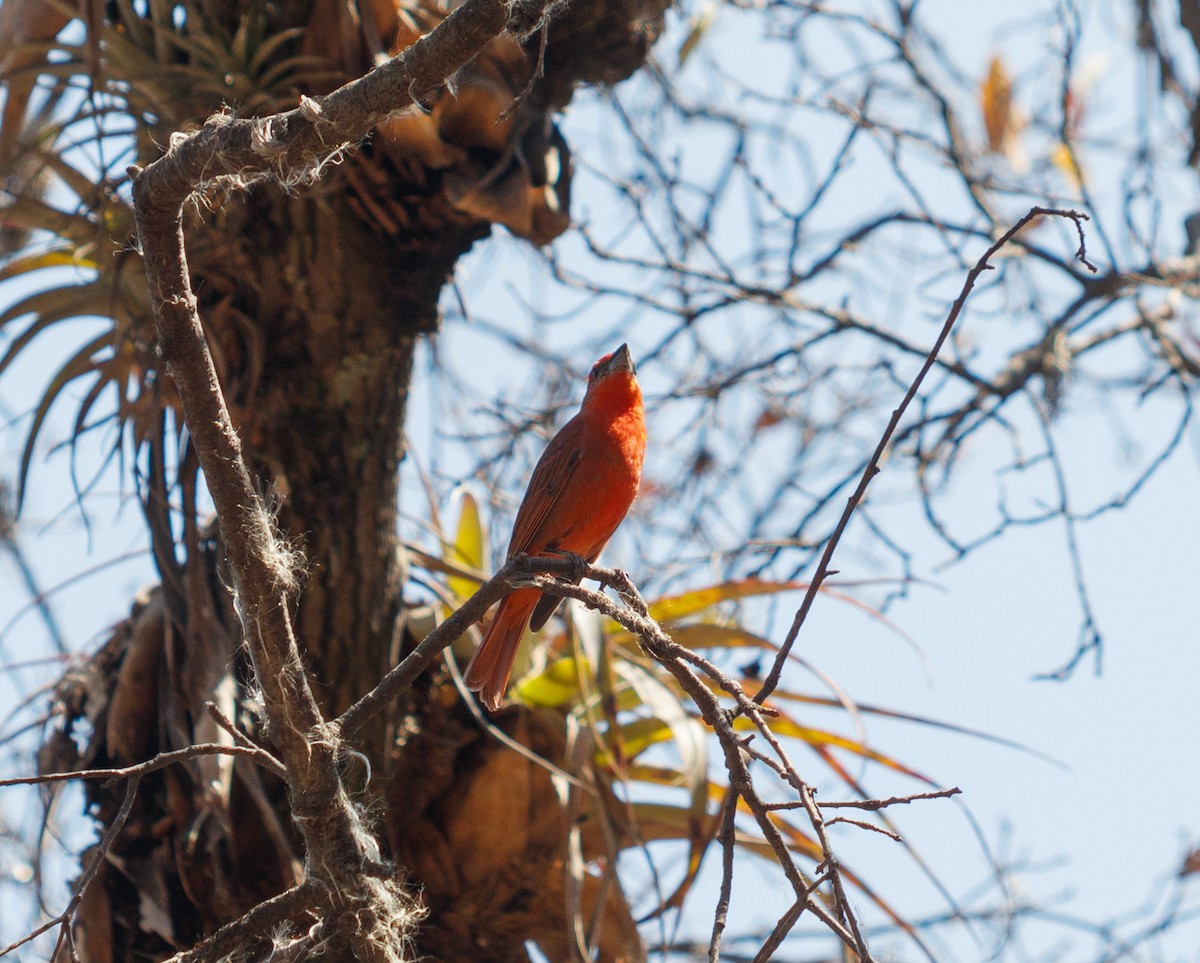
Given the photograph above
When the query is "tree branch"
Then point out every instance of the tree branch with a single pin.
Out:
(681, 662)
(291, 147)
(161, 761)
(872, 468)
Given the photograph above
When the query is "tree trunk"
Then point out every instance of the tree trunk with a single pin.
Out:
(313, 305)
(335, 309)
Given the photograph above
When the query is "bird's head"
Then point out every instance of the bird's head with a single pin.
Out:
(610, 364)
(613, 385)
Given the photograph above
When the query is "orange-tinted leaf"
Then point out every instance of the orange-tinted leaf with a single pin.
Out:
(691, 603)
(771, 415)
(1065, 159)
(784, 725)
(704, 635)
(995, 98)
(659, 821)
(874, 710)
(1001, 118)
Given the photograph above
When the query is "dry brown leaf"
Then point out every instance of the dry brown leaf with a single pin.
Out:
(132, 726)
(1001, 116)
(92, 925)
(22, 22)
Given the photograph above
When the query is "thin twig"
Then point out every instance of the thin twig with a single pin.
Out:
(782, 928)
(516, 571)
(876, 804)
(728, 839)
(259, 921)
(93, 867)
(240, 737)
(882, 830)
(161, 761)
(872, 468)
(679, 660)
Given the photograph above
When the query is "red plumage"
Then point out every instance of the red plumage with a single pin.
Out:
(580, 491)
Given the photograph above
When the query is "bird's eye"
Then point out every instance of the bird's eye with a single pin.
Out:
(598, 366)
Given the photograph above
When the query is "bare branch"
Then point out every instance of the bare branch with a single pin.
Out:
(679, 660)
(875, 804)
(254, 924)
(873, 464)
(161, 761)
(89, 874)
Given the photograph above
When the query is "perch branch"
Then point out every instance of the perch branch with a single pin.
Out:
(683, 664)
(516, 571)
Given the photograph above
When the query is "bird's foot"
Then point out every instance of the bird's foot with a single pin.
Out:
(579, 565)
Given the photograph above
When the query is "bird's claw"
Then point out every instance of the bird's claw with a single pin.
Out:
(578, 562)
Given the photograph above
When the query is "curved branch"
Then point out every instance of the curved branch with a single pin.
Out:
(291, 147)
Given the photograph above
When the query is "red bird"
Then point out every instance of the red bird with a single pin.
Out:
(580, 492)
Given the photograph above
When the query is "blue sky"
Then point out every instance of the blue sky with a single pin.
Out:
(1102, 832)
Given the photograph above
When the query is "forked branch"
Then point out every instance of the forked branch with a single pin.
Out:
(872, 468)
(290, 147)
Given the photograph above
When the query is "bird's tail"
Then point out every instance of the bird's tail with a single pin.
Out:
(489, 668)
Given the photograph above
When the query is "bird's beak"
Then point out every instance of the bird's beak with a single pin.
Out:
(621, 360)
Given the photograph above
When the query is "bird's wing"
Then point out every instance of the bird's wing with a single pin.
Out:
(551, 477)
